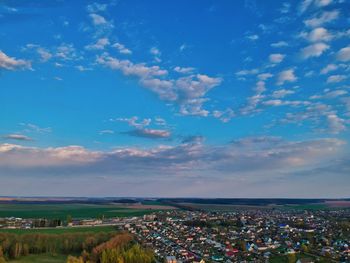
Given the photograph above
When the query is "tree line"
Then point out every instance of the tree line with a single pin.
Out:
(99, 247)
(121, 248)
(13, 246)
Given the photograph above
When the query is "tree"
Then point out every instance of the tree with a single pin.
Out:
(291, 258)
(71, 259)
(304, 248)
(2, 259)
(69, 219)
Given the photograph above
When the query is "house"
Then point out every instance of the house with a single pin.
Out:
(170, 259)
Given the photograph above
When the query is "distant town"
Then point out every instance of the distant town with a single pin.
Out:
(190, 232)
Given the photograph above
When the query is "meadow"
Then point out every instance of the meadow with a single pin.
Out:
(61, 211)
(228, 208)
(61, 230)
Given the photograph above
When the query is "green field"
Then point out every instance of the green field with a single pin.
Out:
(307, 207)
(61, 230)
(227, 208)
(61, 211)
(44, 258)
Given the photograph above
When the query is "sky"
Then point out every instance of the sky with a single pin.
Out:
(181, 98)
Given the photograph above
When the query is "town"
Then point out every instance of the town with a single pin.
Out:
(243, 235)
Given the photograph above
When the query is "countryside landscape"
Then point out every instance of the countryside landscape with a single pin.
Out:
(174, 229)
(174, 131)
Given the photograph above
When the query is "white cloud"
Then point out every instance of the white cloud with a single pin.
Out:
(183, 47)
(184, 70)
(98, 20)
(30, 127)
(99, 45)
(336, 78)
(330, 94)
(278, 102)
(44, 54)
(305, 5)
(241, 156)
(335, 123)
(322, 3)
(225, 116)
(286, 76)
(314, 50)
(155, 51)
(128, 68)
(11, 63)
(134, 121)
(66, 52)
(187, 92)
(282, 93)
(142, 130)
(323, 18)
(318, 35)
(320, 115)
(149, 133)
(96, 7)
(329, 68)
(122, 49)
(253, 37)
(254, 101)
(276, 58)
(160, 121)
(344, 54)
(279, 44)
(17, 137)
(82, 68)
(265, 76)
(246, 72)
(285, 8)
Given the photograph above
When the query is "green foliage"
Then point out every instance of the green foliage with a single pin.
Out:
(42, 258)
(61, 211)
(134, 254)
(2, 259)
(93, 248)
(15, 246)
(292, 258)
(71, 259)
(60, 230)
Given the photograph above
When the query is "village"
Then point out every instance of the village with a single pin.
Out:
(246, 236)
(243, 235)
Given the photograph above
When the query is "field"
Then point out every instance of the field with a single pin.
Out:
(61, 211)
(61, 230)
(44, 258)
(227, 207)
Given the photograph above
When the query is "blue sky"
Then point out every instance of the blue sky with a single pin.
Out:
(184, 98)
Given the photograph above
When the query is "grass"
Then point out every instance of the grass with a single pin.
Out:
(306, 207)
(151, 202)
(43, 258)
(227, 208)
(63, 230)
(61, 211)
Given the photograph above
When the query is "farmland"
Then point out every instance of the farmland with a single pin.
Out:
(61, 211)
(60, 230)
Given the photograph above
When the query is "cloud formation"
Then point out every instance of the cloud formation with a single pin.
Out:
(252, 155)
(11, 63)
(17, 137)
(187, 92)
